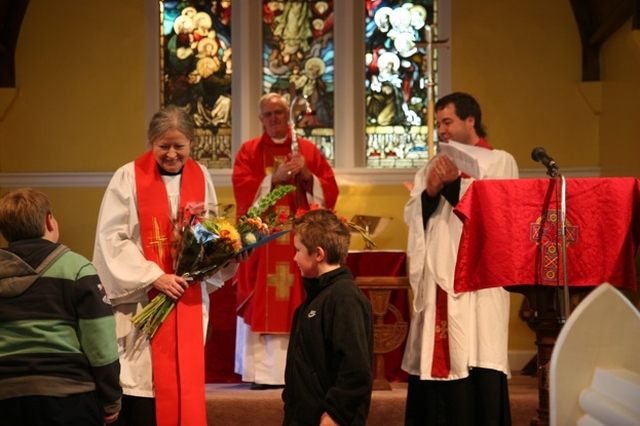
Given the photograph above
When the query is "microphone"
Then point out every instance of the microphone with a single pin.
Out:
(541, 156)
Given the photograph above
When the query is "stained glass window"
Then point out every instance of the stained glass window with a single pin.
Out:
(298, 63)
(400, 69)
(195, 65)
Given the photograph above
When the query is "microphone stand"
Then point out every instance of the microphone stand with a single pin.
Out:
(566, 306)
(563, 233)
(554, 171)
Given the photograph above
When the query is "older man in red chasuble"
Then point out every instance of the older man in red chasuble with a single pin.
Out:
(268, 286)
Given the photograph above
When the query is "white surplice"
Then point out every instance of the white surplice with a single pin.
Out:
(127, 275)
(478, 321)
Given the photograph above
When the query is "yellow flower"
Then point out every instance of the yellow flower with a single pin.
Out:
(249, 238)
(229, 233)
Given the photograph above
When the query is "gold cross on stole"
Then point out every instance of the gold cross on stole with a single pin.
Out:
(282, 280)
(158, 241)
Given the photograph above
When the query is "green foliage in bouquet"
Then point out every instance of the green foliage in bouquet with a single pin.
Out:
(263, 210)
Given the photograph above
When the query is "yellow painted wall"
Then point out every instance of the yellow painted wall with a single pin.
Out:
(79, 74)
(620, 119)
(380, 200)
(76, 210)
(522, 60)
(80, 102)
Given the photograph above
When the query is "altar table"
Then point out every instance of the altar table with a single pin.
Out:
(511, 238)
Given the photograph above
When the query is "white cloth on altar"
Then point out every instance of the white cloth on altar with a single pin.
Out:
(478, 321)
(127, 275)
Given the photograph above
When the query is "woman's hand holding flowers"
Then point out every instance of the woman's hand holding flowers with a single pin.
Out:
(172, 285)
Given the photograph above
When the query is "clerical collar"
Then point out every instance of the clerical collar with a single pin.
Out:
(163, 172)
(280, 141)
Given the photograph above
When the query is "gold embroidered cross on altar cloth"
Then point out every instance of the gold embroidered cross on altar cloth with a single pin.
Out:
(544, 233)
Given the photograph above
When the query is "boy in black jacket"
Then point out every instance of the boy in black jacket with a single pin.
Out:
(59, 358)
(329, 373)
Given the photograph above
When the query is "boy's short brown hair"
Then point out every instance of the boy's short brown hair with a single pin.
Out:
(23, 214)
(322, 228)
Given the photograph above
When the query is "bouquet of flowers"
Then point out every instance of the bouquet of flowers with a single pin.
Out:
(203, 244)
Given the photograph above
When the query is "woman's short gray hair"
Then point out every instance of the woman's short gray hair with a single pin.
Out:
(171, 117)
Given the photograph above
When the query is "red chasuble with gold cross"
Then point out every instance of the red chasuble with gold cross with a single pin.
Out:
(177, 349)
(268, 285)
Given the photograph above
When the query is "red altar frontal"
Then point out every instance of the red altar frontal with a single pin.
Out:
(510, 233)
(512, 238)
(220, 347)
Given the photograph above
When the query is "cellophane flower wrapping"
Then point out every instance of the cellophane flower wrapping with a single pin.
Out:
(204, 243)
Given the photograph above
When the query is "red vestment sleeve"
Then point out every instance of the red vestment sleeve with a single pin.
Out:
(248, 173)
(321, 169)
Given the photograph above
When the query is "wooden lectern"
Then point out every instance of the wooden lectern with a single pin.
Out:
(511, 239)
(387, 337)
(381, 274)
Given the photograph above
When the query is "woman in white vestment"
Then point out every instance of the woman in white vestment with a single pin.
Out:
(133, 256)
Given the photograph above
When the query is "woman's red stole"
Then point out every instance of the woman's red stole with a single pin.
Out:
(177, 349)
